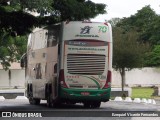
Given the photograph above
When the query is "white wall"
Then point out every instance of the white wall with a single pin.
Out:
(17, 78)
(143, 77)
(4, 78)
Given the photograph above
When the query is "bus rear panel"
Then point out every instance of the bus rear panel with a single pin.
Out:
(86, 64)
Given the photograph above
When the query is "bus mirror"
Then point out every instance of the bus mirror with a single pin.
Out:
(22, 63)
(23, 60)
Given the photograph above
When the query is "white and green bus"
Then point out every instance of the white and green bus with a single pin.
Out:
(69, 63)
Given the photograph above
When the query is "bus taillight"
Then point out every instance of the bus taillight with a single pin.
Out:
(62, 80)
(108, 81)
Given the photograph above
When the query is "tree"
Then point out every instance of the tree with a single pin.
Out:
(16, 21)
(77, 9)
(146, 23)
(57, 11)
(12, 31)
(127, 52)
(152, 33)
(114, 21)
(11, 48)
(153, 57)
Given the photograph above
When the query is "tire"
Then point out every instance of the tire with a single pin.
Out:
(37, 101)
(34, 101)
(95, 104)
(57, 104)
(49, 101)
(87, 105)
(31, 100)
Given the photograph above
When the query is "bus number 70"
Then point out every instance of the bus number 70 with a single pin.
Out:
(102, 29)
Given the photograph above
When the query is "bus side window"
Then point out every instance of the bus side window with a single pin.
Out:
(23, 61)
(38, 71)
(52, 38)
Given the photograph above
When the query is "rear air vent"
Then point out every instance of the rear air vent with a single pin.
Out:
(85, 64)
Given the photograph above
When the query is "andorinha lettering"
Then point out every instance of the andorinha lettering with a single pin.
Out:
(86, 36)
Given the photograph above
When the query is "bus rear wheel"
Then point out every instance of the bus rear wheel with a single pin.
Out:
(34, 101)
(95, 104)
(86, 104)
(49, 101)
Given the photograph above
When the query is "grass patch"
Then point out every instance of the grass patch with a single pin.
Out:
(142, 92)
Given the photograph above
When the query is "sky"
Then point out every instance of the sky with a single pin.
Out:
(124, 8)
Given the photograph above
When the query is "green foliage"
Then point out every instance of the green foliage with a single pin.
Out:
(128, 53)
(153, 58)
(77, 9)
(5, 50)
(146, 22)
(133, 37)
(41, 6)
(152, 32)
(114, 21)
(17, 21)
(15, 16)
(11, 48)
(21, 46)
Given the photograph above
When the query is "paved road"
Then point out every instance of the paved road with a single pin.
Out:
(77, 111)
(23, 104)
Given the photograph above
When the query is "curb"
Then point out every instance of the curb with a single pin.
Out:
(2, 98)
(21, 98)
(128, 99)
(17, 98)
(118, 98)
(136, 100)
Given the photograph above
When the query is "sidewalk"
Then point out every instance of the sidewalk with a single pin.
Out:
(11, 93)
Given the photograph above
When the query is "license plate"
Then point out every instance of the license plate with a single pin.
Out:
(85, 93)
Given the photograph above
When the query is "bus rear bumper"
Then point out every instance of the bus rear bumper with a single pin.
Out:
(82, 95)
